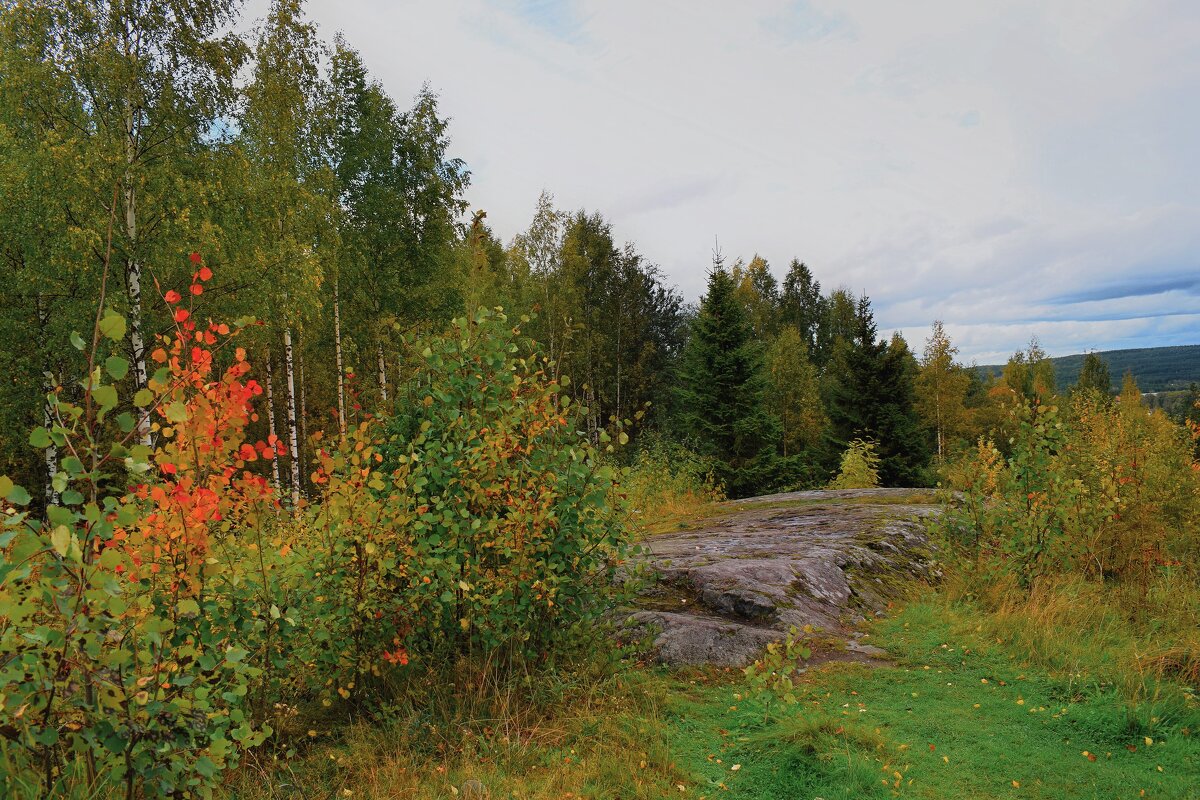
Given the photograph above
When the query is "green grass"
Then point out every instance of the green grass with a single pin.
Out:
(958, 716)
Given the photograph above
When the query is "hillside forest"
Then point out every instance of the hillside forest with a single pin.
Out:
(290, 436)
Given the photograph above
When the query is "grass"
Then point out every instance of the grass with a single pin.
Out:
(960, 715)
(604, 740)
(965, 711)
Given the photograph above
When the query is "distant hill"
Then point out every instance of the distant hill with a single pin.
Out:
(1157, 369)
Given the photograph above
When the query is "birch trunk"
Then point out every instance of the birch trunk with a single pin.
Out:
(133, 275)
(48, 384)
(293, 433)
(383, 382)
(271, 422)
(341, 372)
(303, 406)
(52, 450)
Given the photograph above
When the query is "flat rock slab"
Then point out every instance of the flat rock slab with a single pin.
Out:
(722, 590)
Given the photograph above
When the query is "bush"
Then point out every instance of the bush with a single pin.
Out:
(123, 668)
(167, 614)
(667, 480)
(511, 519)
(860, 467)
(1100, 500)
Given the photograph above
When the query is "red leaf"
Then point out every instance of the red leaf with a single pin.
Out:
(195, 257)
(205, 274)
(181, 314)
(197, 289)
(172, 297)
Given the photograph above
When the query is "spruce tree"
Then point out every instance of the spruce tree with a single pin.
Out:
(723, 391)
(871, 396)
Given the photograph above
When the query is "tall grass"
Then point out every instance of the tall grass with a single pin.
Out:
(669, 482)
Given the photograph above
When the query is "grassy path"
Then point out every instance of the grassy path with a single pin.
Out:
(955, 717)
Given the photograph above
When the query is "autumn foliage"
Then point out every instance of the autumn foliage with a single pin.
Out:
(167, 612)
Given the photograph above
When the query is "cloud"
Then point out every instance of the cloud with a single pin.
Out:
(1132, 288)
(802, 22)
(1010, 168)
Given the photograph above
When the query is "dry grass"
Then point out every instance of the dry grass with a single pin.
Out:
(605, 740)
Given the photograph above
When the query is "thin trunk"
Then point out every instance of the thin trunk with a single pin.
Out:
(271, 422)
(133, 276)
(293, 433)
(52, 450)
(337, 348)
(303, 405)
(383, 383)
(48, 384)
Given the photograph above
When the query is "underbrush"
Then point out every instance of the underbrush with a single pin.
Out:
(668, 482)
(596, 731)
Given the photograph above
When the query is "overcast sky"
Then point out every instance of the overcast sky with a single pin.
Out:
(1012, 168)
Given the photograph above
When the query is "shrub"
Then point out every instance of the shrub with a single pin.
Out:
(1107, 490)
(120, 667)
(512, 523)
(860, 467)
(667, 480)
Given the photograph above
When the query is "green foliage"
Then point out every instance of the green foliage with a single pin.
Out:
(871, 394)
(121, 667)
(859, 468)
(770, 678)
(723, 389)
(794, 393)
(1094, 376)
(1104, 490)
(667, 480)
(512, 532)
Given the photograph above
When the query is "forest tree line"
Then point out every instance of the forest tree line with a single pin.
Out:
(135, 133)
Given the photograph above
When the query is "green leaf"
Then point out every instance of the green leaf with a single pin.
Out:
(40, 438)
(143, 398)
(77, 341)
(112, 325)
(60, 539)
(15, 494)
(72, 465)
(116, 367)
(187, 606)
(126, 422)
(176, 412)
(106, 396)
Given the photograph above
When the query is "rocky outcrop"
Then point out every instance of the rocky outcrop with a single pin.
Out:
(725, 588)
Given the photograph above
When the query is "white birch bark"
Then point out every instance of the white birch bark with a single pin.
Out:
(293, 433)
(341, 372)
(271, 422)
(133, 276)
(383, 381)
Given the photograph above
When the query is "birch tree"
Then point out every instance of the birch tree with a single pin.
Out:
(941, 389)
(286, 208)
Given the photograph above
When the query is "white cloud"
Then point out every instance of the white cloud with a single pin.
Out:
(984, 163)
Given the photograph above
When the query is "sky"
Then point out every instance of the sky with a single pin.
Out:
(1012, 168)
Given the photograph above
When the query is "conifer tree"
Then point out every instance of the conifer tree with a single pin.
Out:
(723, 391)
(872, 397)
(802, 306)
